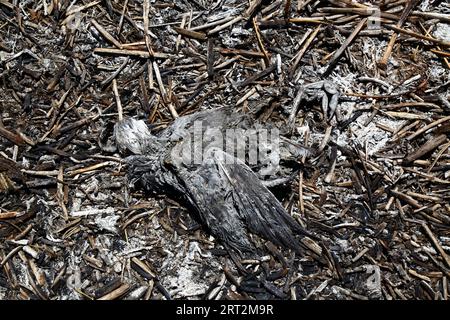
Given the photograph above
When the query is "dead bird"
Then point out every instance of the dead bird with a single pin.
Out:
(223, 192)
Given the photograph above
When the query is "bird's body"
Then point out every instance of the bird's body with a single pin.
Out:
(226, 195)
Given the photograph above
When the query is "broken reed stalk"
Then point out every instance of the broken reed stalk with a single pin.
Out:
(118, 103)
(338, 53)
(163, 91)
(300, 194)
(428, 127)
(436, 244)
(225, 25)
(442, 53)
(191, 34)
(257, 76)
(11, 136)
(116, 293)
(302, 51)
(137, 53)
(260, 43)
(429, 146)
(106, 34)
(439, 49)
(409, 6)
(119, 28)
(145, 13)
(419, 36)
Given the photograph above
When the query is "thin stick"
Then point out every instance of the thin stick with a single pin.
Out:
(10, 254)
(121, 16)
(428, 127)
(44, 173)
(163, 92)
(307, 20)
(60, 192)
(150, 76)
(445, 54)
(116, 293)
(409, 6)
(146, 11)
(115, 74)
(212, 24)
(118, 103)
(257, 76)
(81, 8)
(10, 214)
(242, 52)
(282, 22)
(433, 15)
(90, 168)
(429, 146)
(260, 43)
(344, 46)
(11, 136)
(226, 25)
(300, 193)
(137, 53)
(251, 8)
(438, 156)
(442, 53)
(419, 36)
(303, 50)
(436, 244)
(190, 34)
(106, 34)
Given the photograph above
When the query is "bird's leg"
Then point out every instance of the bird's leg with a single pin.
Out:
(333, 105)
(331, 89)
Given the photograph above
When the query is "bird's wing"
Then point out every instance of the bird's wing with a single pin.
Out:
(231, 199)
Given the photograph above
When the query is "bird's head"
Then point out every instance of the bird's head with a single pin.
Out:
(134, 135)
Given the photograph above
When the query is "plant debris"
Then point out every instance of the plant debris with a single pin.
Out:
(365, 85)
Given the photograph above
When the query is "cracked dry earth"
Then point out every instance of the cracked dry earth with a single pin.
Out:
(375, 194)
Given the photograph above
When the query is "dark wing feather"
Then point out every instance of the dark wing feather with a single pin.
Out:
(230, 198)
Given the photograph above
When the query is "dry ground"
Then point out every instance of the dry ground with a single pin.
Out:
(376, 194)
